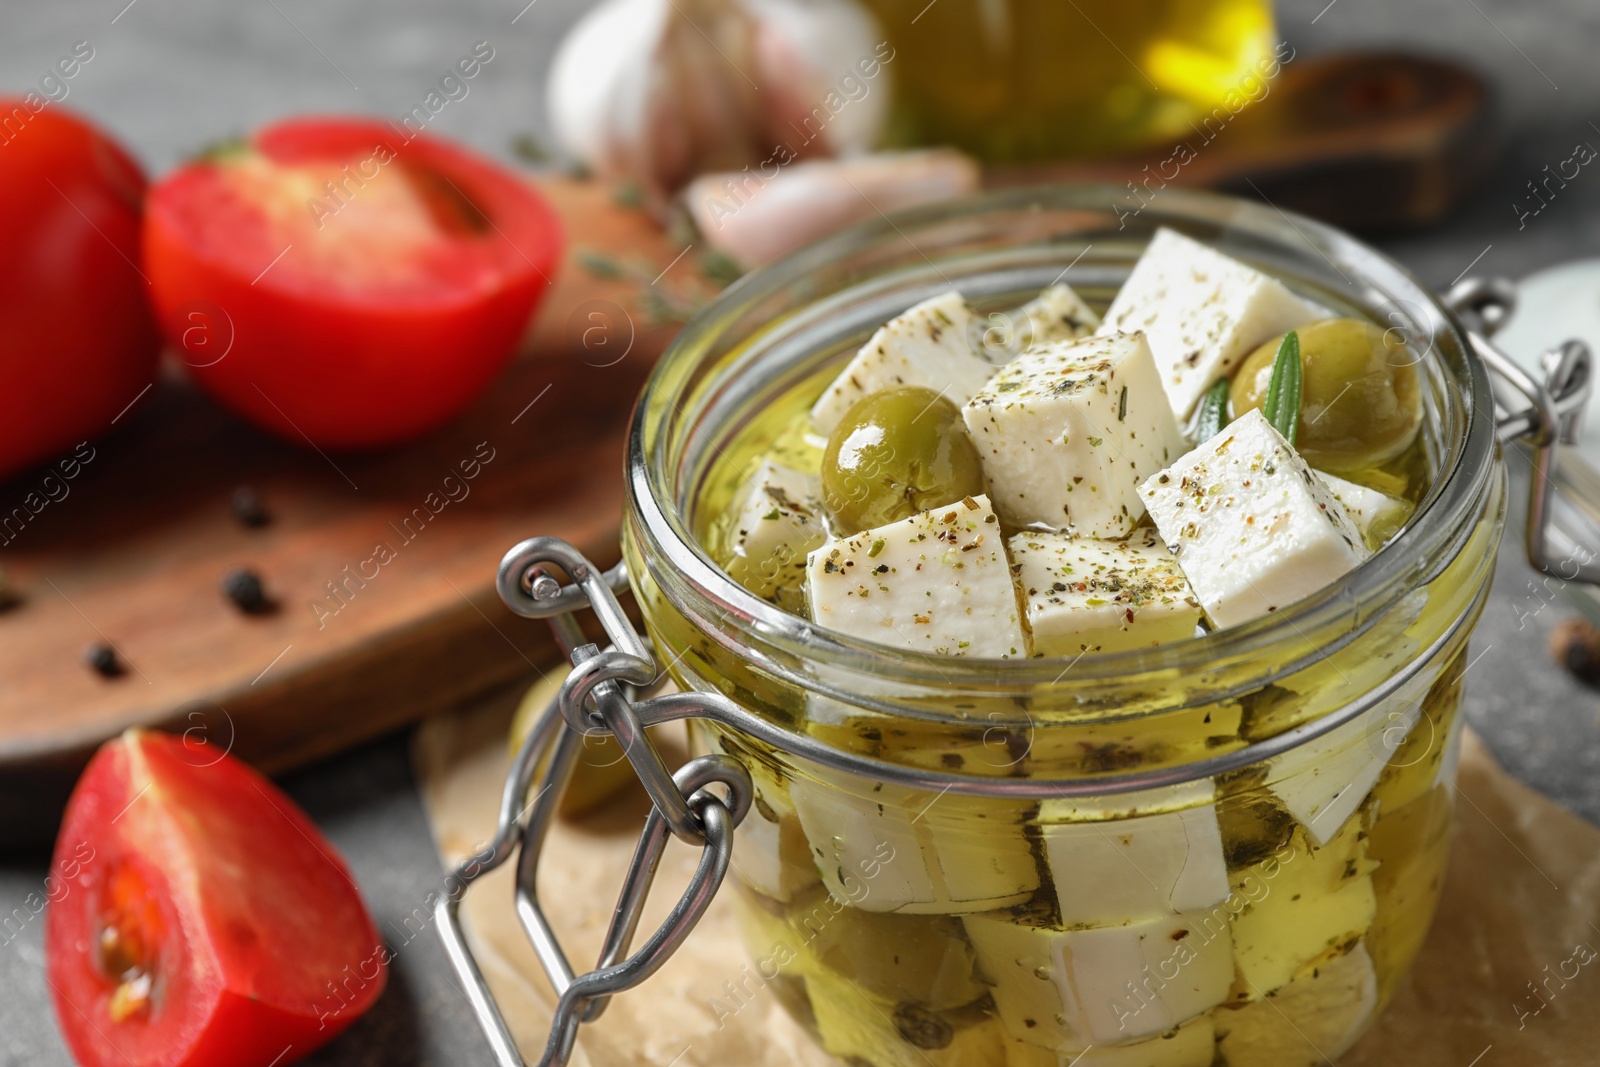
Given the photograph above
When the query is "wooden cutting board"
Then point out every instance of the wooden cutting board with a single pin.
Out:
(135, 553)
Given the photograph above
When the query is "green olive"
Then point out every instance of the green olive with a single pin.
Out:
(1360, 394)
(896, 453)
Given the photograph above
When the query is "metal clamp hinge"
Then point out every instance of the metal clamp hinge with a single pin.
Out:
(1552, 413)
(598, 697)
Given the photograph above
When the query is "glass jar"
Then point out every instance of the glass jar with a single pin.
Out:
(1232, 843)
(1027, 80)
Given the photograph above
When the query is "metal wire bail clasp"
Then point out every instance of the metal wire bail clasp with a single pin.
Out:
(594, 699)
(1552, 413)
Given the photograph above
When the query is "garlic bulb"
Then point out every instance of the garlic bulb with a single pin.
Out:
(658, 91)
(758, 220)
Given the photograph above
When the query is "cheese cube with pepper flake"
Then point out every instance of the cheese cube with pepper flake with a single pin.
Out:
(1203, 312)
(1057, 314)
(1067, 432)
(1253, 527)
(937, 582)
(1086, 595)
(1377, 515)
(778, 524)
(929, 345)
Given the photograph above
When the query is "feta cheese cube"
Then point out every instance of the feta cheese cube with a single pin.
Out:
(929, 345)
(1323, 781)
(880, 856)
(1086, 595)
(1378, 516)
(1250, 523)
(1191, 1045)
(1111, 862)
(1056, 314)
(937, 582)
(1312, 1021)
(771, 853)
(1067, 432)
(1107, 985)
(1303, 906)
(1202, 311)
(779, 522)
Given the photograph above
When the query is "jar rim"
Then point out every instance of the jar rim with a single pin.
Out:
(699, 588)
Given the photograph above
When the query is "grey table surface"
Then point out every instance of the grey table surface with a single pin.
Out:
(172, 75)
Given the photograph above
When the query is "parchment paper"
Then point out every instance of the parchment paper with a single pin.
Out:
(1509, 974)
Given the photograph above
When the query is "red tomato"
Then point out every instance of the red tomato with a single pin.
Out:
(198, 917)
(77, 344)
(334, 281)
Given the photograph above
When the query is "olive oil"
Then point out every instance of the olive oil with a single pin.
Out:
(1021, 80)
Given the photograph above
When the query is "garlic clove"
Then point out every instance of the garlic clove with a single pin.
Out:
(757, 220)
(823, 66)
(658, 91)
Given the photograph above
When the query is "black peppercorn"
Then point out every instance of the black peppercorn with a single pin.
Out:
(243, 587)
(248, 508)
(1575, 644)
(103, 660)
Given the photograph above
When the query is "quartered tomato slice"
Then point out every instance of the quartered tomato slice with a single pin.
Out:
(346, 281)
(201, 918)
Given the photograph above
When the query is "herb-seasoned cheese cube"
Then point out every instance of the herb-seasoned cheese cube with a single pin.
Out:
(1067, 432)
(1142, 855)
(771, 854)
(1056, 314)
(1323, 781)
(1107, 985)
(937, 582)
(1306, 905)
(1086, 595)
(1250, 523)
(884, 854)
(1310, 1023)
(1378, 516)
(1202, 311)
(928, 345)
(778, 524)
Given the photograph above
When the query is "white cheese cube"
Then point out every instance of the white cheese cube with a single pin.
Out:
(1378, 516)
(1107, 985)
(777, 525)
(1323, 781)
(1143, 855)
(906, 860)
(1056, 314)
(929, 345)
(1311, 1022)
(1451, 763)
(1250, 523)
(770, 852)
(1305, 905)
(1192, 1045)
(1086, 595)
(1203, 313)
(1067, 432)
(938, 582)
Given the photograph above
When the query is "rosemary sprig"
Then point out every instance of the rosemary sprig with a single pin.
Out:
(1213, 409)
(1282, 406)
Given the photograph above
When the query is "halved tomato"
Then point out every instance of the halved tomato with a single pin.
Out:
(201, 918)
(344, 281)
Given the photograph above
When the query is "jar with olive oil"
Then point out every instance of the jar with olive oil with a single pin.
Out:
(1222, 850)
(1027, 80)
